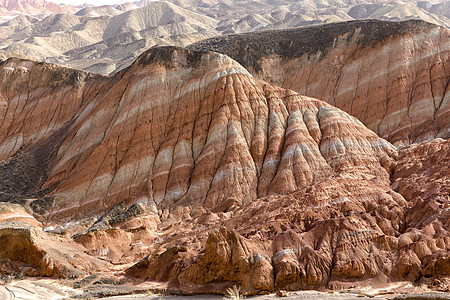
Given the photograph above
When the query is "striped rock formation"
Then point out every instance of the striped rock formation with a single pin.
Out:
(392, 76)
(178, 126)
(187, 157)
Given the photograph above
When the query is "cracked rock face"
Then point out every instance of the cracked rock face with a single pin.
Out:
(392, 76)
(207, 175)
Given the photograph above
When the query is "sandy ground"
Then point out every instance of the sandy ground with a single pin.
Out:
(48, 289)
(307, 295)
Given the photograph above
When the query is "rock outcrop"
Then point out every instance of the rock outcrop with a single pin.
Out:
(207, 175)
(29, 251)
(392, 76)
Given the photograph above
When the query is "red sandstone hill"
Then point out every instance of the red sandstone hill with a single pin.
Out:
(392, 76)
(207, 176)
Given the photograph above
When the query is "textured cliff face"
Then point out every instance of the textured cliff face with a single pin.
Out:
(29, 251)
(206, 136)
(39, 102)
(219, 176)
(394, 77)
(341, 232)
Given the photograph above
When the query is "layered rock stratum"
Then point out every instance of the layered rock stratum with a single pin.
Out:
(392, 76)
(186, 169)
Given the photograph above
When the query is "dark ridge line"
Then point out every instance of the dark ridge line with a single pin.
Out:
(249, 48)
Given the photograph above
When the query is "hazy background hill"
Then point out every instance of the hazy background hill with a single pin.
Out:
(12, 8)
(107, 38)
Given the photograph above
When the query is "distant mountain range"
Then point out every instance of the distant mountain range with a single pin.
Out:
(105, 39)
(12, 8)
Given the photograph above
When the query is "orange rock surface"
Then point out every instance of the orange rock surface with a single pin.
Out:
(392, 76)
(207, 175)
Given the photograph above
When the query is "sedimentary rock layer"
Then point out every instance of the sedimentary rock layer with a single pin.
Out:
(392, 76)
(220, 177)
(341, 232)
(211, 132)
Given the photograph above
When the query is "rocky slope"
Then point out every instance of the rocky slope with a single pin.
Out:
(233, 106)
(387, 74)
(393, 76)
(105, 39)
(209, 177)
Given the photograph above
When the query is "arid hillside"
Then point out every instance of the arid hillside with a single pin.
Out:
(392, 76)
(186, 169)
